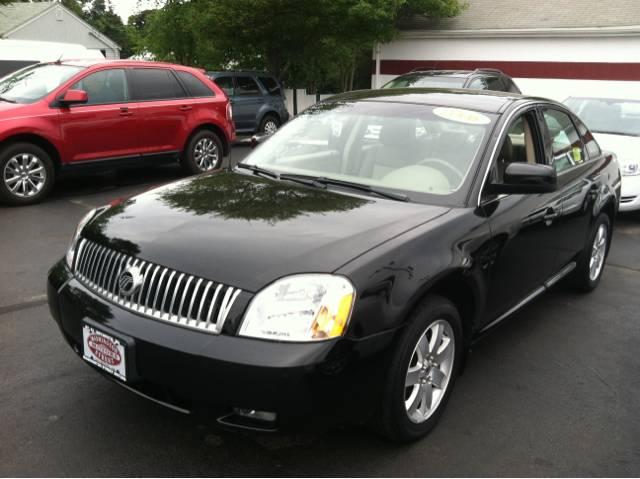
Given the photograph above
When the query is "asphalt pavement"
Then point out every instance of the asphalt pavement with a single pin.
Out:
(553, 392)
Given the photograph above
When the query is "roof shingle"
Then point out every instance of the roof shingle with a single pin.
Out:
(15, 14)
(527, 14)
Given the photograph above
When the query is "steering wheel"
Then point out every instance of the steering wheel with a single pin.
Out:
(450, 167)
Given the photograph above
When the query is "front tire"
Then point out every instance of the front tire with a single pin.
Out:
(422, 372)
(587, 274)
(203, 153)
(27, 174)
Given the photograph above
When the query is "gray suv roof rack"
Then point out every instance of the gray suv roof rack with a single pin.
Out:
(487, 70)
(425, 69)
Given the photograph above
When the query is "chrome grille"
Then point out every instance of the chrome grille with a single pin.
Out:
(165, 294)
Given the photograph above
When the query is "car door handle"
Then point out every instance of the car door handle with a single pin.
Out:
(185, 108)
(260, 101)
(125, 112)
(550, 215)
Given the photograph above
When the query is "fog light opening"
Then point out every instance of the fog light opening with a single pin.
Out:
(252, 414)
(249, 419)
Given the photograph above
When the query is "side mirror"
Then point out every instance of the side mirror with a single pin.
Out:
(258, 139)
(527, 178)
(74, 96)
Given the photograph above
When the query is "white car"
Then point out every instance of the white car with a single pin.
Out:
(615, 124)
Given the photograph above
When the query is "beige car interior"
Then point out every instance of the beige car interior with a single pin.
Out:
(517, 146)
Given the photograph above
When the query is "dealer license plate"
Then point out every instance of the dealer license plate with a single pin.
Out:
(104, 351)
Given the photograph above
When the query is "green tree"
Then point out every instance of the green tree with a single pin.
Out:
(100, 14)
(283, 30)
(174, 33)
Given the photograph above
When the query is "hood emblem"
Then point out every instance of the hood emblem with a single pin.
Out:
(130, 281)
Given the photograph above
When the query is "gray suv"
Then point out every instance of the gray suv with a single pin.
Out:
(258, 101)
(432, 77)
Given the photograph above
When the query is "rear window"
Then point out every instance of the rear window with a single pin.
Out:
(157, 84)
(426, 82)
(196, 86)
(271, 85)
(247, 86)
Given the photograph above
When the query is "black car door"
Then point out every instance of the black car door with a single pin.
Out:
(524, 228)
(579, 176)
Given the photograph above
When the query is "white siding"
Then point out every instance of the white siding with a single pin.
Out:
(68, 30)
(562, 50)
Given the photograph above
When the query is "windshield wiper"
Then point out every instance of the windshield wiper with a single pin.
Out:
(7, 100)
(257, 170)
(322, 182)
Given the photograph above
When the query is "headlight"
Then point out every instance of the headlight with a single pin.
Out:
(306, 307)
(631, 168)
(71, 251)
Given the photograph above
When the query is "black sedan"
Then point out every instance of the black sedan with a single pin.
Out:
(341, 272)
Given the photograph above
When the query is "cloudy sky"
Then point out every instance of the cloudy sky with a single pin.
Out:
(125, 8)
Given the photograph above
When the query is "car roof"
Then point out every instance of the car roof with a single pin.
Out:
(258, 72)
(429, 73)
(90, 62)
(482, 100)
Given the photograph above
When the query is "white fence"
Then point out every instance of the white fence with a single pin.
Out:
(299, 100)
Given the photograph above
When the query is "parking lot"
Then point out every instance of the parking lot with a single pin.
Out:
(553, 392)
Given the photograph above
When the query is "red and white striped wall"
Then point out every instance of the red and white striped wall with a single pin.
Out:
(553, 64)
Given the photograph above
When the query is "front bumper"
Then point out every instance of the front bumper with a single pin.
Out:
(310, 386)
(630, 194)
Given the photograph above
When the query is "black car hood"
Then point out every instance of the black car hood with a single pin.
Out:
(246, 231)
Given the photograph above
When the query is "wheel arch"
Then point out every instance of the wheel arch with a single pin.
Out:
(460, 288)
(610, 210)
(272, 113)
(39, 141)
(212, 127)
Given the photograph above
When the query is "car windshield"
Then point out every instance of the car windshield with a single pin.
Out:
(427, 152)
(33, 83)
(426, 82)
(607, 115)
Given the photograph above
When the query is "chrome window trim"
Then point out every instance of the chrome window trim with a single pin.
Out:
(495, 148)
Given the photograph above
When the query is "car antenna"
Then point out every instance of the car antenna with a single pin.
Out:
(57, 62)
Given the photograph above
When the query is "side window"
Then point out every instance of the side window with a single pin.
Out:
(178, 91)
(567, 146)
(247, 86)
(590, 143)
(271, 86)
(487, 83)
(197, 88)
(105, 86)
(226, 84)
(519, 145)
(155, 84)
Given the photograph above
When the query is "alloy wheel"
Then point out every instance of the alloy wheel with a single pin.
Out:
(598, 252)
(429, 371)
(270, 127)
(206, 154)
(24, 175)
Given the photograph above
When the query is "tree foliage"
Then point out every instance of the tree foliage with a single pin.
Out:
(286, 29)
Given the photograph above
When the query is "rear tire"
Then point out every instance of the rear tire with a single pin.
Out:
(588, 272)
(422, 372)
(26, 174)
(269, 125)
(203, 153)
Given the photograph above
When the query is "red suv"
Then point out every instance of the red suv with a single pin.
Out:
(83, 115)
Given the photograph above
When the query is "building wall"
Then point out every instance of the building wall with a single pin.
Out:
(58, 25)
(543, 66)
